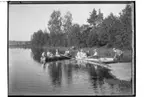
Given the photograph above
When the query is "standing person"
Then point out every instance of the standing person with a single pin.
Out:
(83, 54)
(48, 54)
(57, 54)
(43, 58)
(43, 54)
(78, 54)
(95, 53)
(118, 53)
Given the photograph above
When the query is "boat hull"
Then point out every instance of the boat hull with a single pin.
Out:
(101, 60)
(49, 59)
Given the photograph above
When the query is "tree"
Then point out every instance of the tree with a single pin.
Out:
(126, 20)
(75, 35)
(85, 29)
(93, 38)
(109, 28)
(39, 38)
(99, 19)
(55, 27)
(95, 19)
(46, 37)
(55, 23)
(67, 24)
(103, 40)
(92, 19)
(117, 30)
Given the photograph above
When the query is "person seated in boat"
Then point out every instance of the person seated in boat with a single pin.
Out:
(118, 53)
(49, 54)
(57, 54)
(78, 54)
(43, 54)
(81, 54)
(95, 53)
(67, 53)
(84, 54)
(43, 57)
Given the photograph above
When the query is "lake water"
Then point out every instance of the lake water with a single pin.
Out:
(27, 76)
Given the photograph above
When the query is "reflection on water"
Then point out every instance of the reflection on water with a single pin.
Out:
(102, 81)
(36, 53)
(69, 77)
(55, 72)
(97, 78)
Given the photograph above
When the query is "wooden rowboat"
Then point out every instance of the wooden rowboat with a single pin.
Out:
(101, 60)
(95, 62)
(55, 58)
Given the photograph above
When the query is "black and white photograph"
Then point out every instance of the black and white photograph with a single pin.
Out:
(71, 48)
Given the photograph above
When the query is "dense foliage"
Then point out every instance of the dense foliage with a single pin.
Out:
(112, 31)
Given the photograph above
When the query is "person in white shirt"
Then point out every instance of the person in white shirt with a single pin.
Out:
(43, 58)
(49, 54)
(57, 54)
(81, 54)
(43, 54)
(118, 53)
(67, 52)
(95, 52)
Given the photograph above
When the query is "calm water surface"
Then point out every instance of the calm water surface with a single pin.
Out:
(27, 76)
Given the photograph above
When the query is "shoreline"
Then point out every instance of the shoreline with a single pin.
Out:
(102, 51)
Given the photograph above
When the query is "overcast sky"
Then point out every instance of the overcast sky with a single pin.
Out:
(24, 20)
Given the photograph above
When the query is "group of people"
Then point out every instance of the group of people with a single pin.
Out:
(49, 54)
(82, 54)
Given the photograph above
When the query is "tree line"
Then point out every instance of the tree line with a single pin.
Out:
(112, 31)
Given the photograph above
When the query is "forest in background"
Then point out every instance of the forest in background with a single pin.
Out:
(112, 31)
